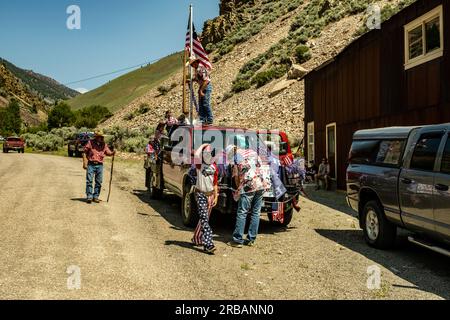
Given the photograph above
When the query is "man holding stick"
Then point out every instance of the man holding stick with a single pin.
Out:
(93, 157)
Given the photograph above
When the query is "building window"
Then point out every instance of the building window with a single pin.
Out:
(424, 38)
(310, 141)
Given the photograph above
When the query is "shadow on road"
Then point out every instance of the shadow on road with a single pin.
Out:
(223, 225)
(333, 199)
(423, 268)
(79, 200)
(183, 244)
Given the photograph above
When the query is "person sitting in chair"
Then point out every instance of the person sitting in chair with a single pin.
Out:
(323, 174)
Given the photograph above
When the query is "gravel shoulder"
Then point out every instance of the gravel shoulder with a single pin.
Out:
(137, 248)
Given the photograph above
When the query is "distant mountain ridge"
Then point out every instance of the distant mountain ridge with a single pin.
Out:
(44, 86)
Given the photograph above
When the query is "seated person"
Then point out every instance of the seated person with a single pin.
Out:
(311, 171)
(323, 174)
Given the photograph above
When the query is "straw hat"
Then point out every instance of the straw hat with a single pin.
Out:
(99, 133)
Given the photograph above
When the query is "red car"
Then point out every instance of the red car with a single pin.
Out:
(14, 143)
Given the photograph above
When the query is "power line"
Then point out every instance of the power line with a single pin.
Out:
(112, 72)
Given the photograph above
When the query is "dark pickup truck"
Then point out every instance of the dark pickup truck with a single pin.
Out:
(400, 177)
(77, 144)
(165, 174)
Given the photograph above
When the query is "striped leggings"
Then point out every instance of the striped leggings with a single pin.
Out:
(203, 233)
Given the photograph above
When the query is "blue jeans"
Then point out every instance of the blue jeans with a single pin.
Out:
(248, 202)
(204, 108)
(94, 172)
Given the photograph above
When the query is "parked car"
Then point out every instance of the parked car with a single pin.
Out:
(14, 143)
(400, 177)
(165, 174)
(76, 146)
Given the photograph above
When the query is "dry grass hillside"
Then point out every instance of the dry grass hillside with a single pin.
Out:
(274, 103)
(33, 109)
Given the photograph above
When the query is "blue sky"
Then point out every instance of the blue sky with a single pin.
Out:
(114, 34)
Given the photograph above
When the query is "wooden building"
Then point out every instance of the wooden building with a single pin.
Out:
(394, 76)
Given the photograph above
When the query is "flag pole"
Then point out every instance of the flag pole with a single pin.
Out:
(184, 108)
(191, 115)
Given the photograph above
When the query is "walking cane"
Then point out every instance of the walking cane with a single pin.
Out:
(110, 178)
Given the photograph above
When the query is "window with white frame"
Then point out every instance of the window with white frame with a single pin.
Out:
(424, 38)
(310, 141)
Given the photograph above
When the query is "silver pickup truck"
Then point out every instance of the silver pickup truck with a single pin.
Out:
(400, 177)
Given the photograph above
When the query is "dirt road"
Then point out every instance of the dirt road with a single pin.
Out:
(136, 248)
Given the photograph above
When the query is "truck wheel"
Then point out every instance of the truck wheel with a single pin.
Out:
(378, 231)
(70, 153)
(189, 208)
(287, 218)
(155, 193)
(23, 150)
(5, 150)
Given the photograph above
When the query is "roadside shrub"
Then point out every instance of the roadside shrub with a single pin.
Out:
(135, 144)
(65, 133)
(240, 85)
(129, 117)
(302, 54)
(44, 141)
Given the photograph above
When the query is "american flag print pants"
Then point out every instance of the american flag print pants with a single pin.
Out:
(203, 233)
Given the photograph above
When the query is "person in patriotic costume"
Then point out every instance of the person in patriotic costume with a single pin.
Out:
(206, 195)
(203, 79)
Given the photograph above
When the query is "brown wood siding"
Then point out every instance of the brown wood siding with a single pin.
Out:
(367, 86)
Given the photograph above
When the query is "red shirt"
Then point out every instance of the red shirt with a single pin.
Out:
(96, 151)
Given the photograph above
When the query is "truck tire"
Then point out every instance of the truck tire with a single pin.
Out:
(287, 218)
(5, 150)
(70, 153)
(23, 150)
(189, 212)
(378, 231)
(155, 193)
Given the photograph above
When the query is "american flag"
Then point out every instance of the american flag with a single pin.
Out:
(199, 52)
(286, 161)
(278, 211)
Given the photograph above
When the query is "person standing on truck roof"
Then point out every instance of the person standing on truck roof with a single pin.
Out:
(206, 195)
(251, 184)
(93, 156)
(202, 77)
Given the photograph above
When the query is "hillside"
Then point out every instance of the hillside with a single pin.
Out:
(261, 50)
(120, 92)
(33, 109)
(41, 85)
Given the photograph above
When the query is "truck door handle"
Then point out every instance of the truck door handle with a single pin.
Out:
(441, 187)
(406, 181)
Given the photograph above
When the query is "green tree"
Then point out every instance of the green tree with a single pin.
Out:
(61, 116)
(90, 117)
(10, 121)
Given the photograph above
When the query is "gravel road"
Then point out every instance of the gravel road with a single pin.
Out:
(137, 248)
